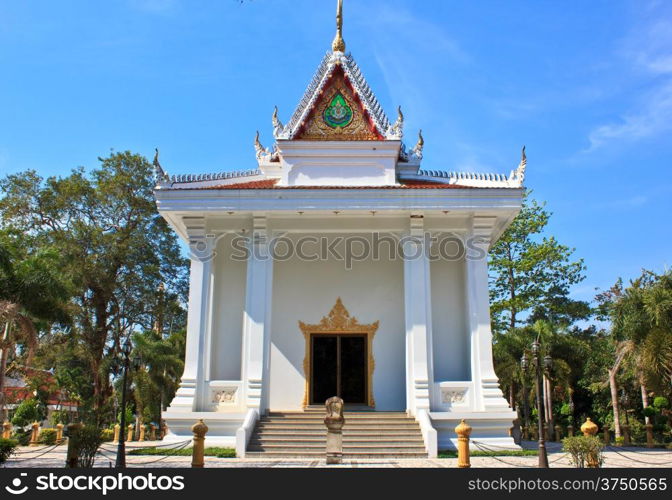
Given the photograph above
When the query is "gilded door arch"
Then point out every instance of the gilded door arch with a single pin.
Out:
(339, 321)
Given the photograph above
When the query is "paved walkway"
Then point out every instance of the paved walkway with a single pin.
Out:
(614, 457)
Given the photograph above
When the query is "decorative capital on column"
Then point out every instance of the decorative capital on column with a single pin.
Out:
(417, 225)
(259, 229)
(201, 245)
(482, 229)
(415, 243)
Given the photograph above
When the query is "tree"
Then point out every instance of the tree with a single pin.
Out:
(641, 317)
(113, 244)
(30, 291)
(529, 271)
(157, 377)
(28, 412)
(565, 348)
(508, 350)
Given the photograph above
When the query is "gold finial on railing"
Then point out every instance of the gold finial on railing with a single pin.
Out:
(338, 45)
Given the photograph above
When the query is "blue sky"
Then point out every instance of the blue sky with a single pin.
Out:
(587, 86)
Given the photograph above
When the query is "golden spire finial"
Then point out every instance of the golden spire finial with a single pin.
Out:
(338, 45)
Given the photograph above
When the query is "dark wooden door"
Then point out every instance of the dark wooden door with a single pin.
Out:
(339, 368)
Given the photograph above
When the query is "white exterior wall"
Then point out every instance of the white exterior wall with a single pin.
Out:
(227, 315)
(338, 163)
(306, 291)
(459, 382)
(450, 333)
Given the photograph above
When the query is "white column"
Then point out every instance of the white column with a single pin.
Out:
(192, 385)
(257, 317)
(487, 394)
(418, 315)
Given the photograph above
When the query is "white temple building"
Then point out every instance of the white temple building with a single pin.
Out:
(340, 266)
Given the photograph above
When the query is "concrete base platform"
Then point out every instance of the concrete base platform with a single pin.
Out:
(489, 429)
(222, 427)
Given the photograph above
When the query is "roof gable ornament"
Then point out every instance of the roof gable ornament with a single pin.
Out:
(416, 152)
(337, 114)
(518, 175)
(396, 131)
(161, 177)
(277, 124)
(322, 82)
(338, 45)
(261, 151)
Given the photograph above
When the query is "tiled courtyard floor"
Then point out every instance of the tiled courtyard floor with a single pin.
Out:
(614, 457)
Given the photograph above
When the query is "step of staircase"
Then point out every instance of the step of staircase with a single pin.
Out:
(366, 434)
(321, 454)
(350, 423)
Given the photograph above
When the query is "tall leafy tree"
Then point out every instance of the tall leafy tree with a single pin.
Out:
(32, 295)
(157, 376)
(641, 317)
(529, 271)
(113, 244)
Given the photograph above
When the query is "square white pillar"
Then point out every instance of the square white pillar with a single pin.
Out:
(487, 394)
(192, 384)
(418, 316)
(257, 317)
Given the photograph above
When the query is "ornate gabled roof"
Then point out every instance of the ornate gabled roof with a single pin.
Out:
(314, 92)
(195, 181)
(515, 179)
(338, 104)
(338, 60)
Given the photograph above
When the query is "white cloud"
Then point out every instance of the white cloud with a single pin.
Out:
(652, 48)
(652, 117)
(649, 52)
(398, 38)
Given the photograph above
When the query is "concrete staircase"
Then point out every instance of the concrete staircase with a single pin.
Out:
(366, 434)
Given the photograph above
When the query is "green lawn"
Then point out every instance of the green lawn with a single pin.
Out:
(185, 452)
(502, 453)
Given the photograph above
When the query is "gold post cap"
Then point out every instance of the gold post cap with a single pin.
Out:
(199, 428)
(589, 427)
(463, 429)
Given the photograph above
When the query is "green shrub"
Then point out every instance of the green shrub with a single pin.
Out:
(581, 448)
(85, 443)
(498, 453)
(130, 418)
(59, 417)
(107, 434)
(22, 437)
(26, 413)
(7, 448)
(637, 431)
(48, 436)
(620, 440)
(212, 451)
(566, 410)
(649, 411)
(660, 402)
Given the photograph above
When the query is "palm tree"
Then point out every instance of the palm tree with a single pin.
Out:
(562, 348)
(508, 348)
(158, 374)
(29, 292)
(642, 328)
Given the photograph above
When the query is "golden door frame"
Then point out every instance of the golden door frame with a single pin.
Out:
(339, 321)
